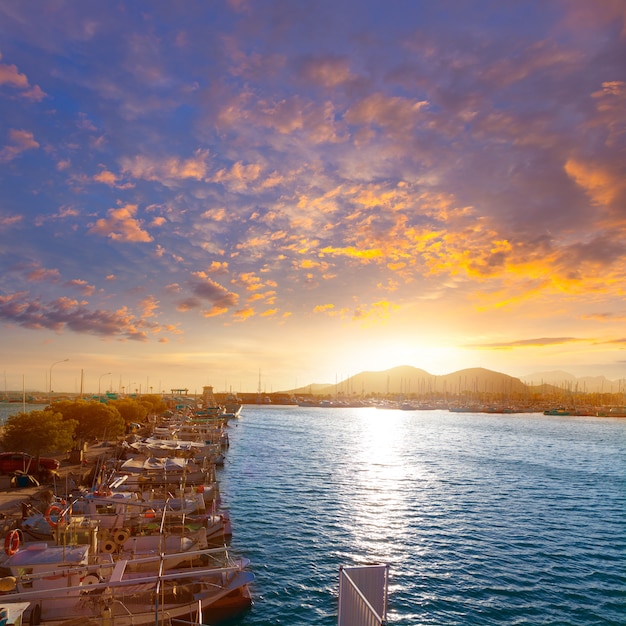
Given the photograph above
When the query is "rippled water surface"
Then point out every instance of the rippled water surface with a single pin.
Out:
(483, 519)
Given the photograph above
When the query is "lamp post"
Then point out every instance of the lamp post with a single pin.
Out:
(99, 379)
(50, 377)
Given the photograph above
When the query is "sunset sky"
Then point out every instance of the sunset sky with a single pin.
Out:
(288, 192)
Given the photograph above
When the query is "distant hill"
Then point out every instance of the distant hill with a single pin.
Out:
(406, 379)
(583, 384)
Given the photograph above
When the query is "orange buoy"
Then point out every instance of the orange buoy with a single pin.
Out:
(56, 511)
(12, 542)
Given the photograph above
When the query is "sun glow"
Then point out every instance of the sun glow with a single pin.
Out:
(382, 355)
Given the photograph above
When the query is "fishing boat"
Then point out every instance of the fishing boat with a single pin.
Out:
(60, 582)
(12, 613)
(125, 522)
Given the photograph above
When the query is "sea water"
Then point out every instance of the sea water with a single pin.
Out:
(13, 408)
(482, 519)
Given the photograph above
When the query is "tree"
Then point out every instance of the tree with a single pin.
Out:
(94, 419)
(154, 404)
(130, 410)
(38, 432)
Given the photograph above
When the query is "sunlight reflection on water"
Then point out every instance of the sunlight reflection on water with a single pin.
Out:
(480, 517)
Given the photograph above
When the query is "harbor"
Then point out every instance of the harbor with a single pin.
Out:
(454, 503)
(127, 531)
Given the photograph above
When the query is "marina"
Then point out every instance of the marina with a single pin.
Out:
(146, 542)
(480, 518)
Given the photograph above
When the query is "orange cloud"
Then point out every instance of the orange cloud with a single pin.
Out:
(249, 280)
(9, 75)
(20, 141)
(9, 220)
(328, 72)
(323, 308)
(82, 286)
(239, 177)
(41, 274)
(393, 113)
(601, 185)
(218, 267)
(148, 306)
(169, 170)
(109, 178)
(243, 314)
(121, 225)
(351, 251)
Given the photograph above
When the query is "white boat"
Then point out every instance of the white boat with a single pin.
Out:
(62, 582)
(12, 613)
(123, 521)
(152, 469)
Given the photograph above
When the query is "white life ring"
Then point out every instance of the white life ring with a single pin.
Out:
(90, 579)
(108, 546)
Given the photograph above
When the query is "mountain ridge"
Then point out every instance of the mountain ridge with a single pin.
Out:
(407, 379)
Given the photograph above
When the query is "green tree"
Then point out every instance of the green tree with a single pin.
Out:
(131, 410)
(38, 432)
(94, 419)
(154, 404)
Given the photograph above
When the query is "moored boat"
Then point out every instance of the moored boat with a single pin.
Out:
(61, 581)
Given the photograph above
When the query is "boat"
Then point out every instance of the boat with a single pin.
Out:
(126, 522)
(63, 581)
(12, 613)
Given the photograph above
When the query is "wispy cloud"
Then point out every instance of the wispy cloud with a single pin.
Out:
(529, 343)
(19, 141)
(12, 78)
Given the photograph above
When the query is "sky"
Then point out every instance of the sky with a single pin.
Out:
(266, 194)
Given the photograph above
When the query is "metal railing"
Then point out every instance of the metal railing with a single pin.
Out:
(363, 595)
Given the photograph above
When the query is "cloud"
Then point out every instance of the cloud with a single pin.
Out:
(10, 220)
(621, 341)
(121, 225)
(394, 114)
(67, 314)
(82, 286)
(109, 178)
(41, 274)
(239, 177)
(323, 308)
(241, 315)
(19, 141)
(529, 343)
(207, 290)
(603, 185)
(9, 75)
(169, 171)
(329, 71)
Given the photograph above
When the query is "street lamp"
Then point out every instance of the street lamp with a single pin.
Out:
(50, 378)
(99, 379)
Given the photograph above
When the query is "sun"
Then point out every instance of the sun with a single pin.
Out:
(379, 355)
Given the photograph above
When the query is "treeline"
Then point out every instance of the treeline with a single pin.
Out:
(64, 425)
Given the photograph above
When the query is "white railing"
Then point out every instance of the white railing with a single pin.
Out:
(363, 595)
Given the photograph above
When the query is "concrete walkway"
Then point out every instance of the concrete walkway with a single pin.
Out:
(11, 498)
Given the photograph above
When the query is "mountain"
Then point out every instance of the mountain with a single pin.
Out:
(583, 384)
(406, 380)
